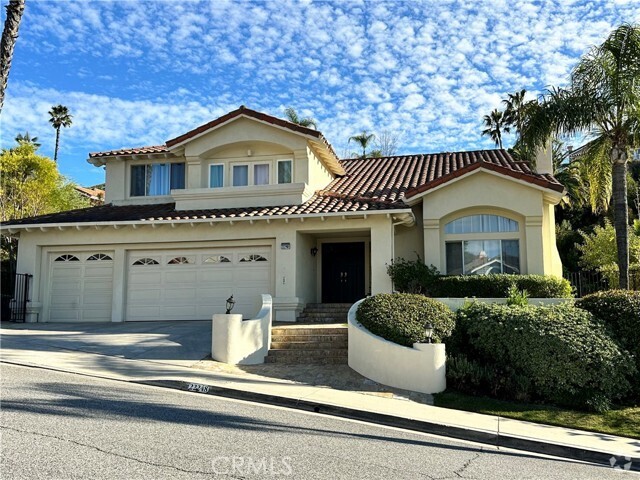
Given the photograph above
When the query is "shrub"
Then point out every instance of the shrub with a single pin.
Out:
(498, 285)
(611, 273)
(516, 297)
(619, 310)
(412, 276)
(558, 354)
(401, 317)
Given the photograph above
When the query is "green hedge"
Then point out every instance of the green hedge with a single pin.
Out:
(498, 285)
(413, 276)
(401, 317)
(558, 354)
(620, 311)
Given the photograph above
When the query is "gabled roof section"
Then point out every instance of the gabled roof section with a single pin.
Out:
(402, 177)
(131, 151)
(322, 147)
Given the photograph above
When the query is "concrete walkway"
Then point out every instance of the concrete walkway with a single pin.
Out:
(172, 354)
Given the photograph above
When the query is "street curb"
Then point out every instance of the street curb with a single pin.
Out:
(488, 438)
(460, 433)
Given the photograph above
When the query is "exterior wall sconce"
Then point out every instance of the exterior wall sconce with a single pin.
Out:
(230, 304)
(314, 251)
(428, 330)
(249, 153)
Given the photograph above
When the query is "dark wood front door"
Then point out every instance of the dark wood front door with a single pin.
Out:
(342, 272)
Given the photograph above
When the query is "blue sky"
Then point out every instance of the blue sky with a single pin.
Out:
(137, 73)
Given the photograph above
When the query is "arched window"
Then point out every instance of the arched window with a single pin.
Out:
(179, 261)
(146, 261)
(67, 258)
(253, 258)
(217, 259)
(481, 245)
(99, 257)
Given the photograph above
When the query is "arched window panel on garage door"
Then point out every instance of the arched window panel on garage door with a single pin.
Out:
(216, 259)
(254, 257)
(99, 257)
(146, 261)
(181, 261)
(67, 258)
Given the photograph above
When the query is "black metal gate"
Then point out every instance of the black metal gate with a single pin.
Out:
(20, 297)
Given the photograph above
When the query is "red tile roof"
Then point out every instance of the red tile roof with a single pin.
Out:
(369, 184)
(131, 151)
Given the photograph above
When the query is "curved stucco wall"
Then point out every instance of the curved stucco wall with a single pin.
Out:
(420, 369)
(242, 342)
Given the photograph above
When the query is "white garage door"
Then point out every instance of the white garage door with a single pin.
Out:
(194, 284)
(80, 287)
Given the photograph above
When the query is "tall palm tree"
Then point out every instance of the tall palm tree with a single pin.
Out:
(515, 110)
(15, 9)
(60, 117)
(26, 138)
(495, 125)
(293, 117)
(603, 99)
(363, 140)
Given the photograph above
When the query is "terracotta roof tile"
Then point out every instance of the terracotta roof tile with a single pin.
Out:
(131, 151)
(369, 184)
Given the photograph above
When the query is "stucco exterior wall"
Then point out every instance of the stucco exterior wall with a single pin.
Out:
(483, 192)
(294, 268)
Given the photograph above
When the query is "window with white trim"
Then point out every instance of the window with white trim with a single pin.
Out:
(180, 261)
(216, 175)
(217, 259)
(156, 179)
(261, 174)
(146, 261)
(482, 245)
(285, 171)
(253, 258)
(240, 175)
(67, 258)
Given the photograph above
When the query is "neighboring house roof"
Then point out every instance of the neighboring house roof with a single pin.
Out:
(92, 193)
(371, 184)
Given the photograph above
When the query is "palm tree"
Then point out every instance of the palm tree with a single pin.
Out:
(26, 138)
(495, 125)
(292, 116)
(15, 9)
(603, 99)
(363, 140)
(515, 110)
(60, 117)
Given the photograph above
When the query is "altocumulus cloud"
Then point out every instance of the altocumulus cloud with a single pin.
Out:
(140, 72)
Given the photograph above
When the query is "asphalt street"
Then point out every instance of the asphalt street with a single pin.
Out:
(62, 426)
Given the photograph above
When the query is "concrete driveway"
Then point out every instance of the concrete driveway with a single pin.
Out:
(178, 343)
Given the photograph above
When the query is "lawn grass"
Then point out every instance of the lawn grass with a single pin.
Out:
(620, 421)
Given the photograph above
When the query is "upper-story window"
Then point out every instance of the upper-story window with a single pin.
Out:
(240, 175)
(284, 171)
(261, 174)
(216, 175)
(156, 179)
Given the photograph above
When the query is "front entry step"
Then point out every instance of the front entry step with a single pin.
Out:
(308, 344)
(324, 313)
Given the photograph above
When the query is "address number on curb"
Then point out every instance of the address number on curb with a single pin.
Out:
(198, 387)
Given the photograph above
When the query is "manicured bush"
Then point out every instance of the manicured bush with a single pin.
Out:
(412, 276)
(619, 310)
(401, 317)
(559, 354)
(498, 285)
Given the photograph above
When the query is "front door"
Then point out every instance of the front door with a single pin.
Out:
(342, 272)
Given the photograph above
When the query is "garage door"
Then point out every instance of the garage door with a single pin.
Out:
(80, 287)
(194, 284)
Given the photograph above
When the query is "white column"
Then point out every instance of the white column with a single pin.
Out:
(535, 246)
(432, 246)
(118, 300)
(381, 255)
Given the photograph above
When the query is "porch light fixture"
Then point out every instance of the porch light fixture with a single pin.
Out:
(428, 330)
(230, 303)
(314, 251)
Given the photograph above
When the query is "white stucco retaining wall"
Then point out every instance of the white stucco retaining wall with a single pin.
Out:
(457, 303)
(242, 342)
(420, 369)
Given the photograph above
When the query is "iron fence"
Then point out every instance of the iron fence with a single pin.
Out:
(586, 282)
(20, 298)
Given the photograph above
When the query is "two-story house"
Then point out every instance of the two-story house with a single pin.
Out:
(250, 204)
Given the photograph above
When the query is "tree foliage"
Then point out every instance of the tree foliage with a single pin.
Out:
(31, 185)
(59, 117)
(599, 248)
(293, 117)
